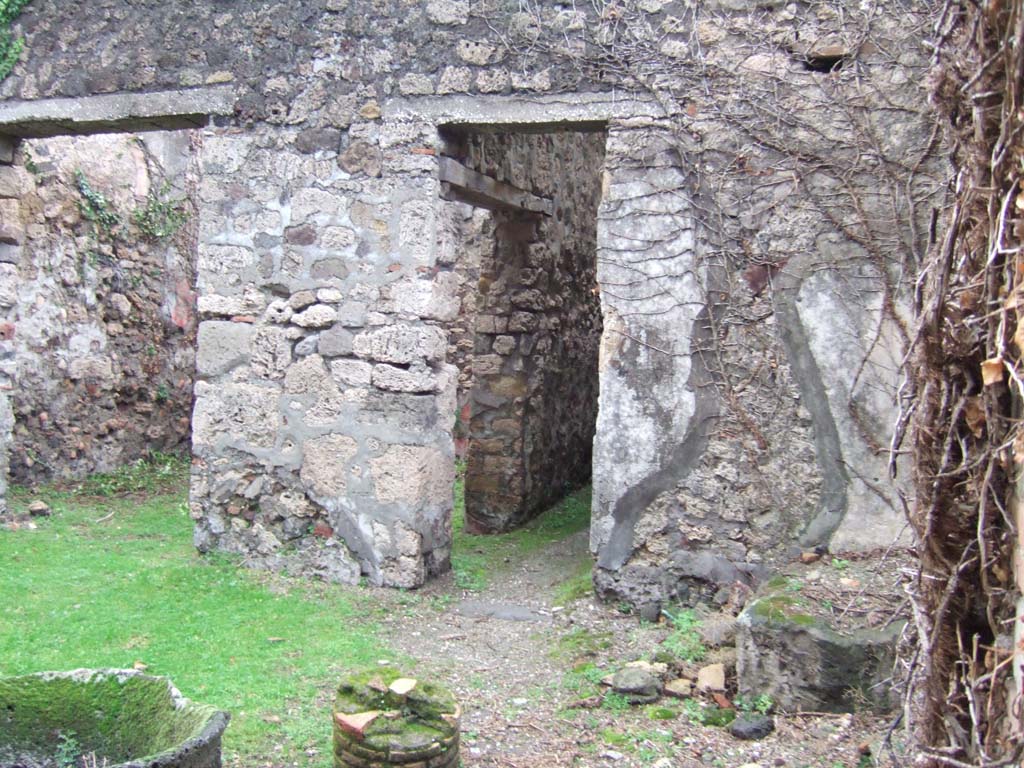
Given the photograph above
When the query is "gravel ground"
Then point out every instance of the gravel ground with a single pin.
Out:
(509, 653)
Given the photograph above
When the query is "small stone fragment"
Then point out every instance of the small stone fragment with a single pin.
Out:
(722, 700)
(317, 316)
(637, 685)
(356, 724)
(680, 688)
(336, 342)
(809, 557)
(361, 157)
(402, 686)
(370, 110)
(448, 12)
(39, 508)
(711, 678)
(278, 312)
(301, 299)
(650, 612)
(316, 139)
(658, 668)
(717, 629)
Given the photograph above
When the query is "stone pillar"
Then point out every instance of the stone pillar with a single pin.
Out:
(12, 185)
(324, 406)
(655, 405)
(496, 469)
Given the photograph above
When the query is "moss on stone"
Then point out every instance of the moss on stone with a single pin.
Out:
(117, 715)
(662, 713)
(718, 717)
(782, 609)
(777, 582)
(427, 702)
(417, 726)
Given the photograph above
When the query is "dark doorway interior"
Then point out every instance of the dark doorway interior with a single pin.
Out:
(531, 315)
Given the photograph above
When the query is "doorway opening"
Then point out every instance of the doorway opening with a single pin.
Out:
(521, 235)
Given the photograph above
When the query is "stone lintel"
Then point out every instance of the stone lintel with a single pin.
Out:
(7, 146)
(115, 113)
(543, 113)
(465, 185)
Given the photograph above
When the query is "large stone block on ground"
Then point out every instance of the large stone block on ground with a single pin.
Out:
(802, 663)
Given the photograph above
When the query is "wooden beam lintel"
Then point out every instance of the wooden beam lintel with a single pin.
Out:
(463, 184)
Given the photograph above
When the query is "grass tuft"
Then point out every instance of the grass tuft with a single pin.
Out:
(578, 586)
(684, 641)
(157, 473)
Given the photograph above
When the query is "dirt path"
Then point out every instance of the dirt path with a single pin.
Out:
(509, 653)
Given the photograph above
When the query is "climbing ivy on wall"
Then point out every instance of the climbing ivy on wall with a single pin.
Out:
(10, 46)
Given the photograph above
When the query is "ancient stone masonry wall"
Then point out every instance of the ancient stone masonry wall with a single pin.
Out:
(324, 406)
(758, 250)
(467, 239)
(534, 401)
(310, 65)
(769, 185)
(757, 429)
(97, 315)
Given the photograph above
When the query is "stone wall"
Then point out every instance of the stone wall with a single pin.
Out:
(538, 323)
(324, 408)
(768, 187)
(724, 449)
(97, 315)
(467, 239)
(6, 425)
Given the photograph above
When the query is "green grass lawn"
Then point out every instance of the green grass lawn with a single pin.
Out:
(77, 593)
(475, 557)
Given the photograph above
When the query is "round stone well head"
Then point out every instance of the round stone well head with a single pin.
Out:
(113, 717)
(382, 719)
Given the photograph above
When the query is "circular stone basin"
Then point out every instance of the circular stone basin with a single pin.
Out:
(95, 717)
(382, 719)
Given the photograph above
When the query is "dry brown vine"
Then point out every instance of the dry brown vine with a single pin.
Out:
(968, 445)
